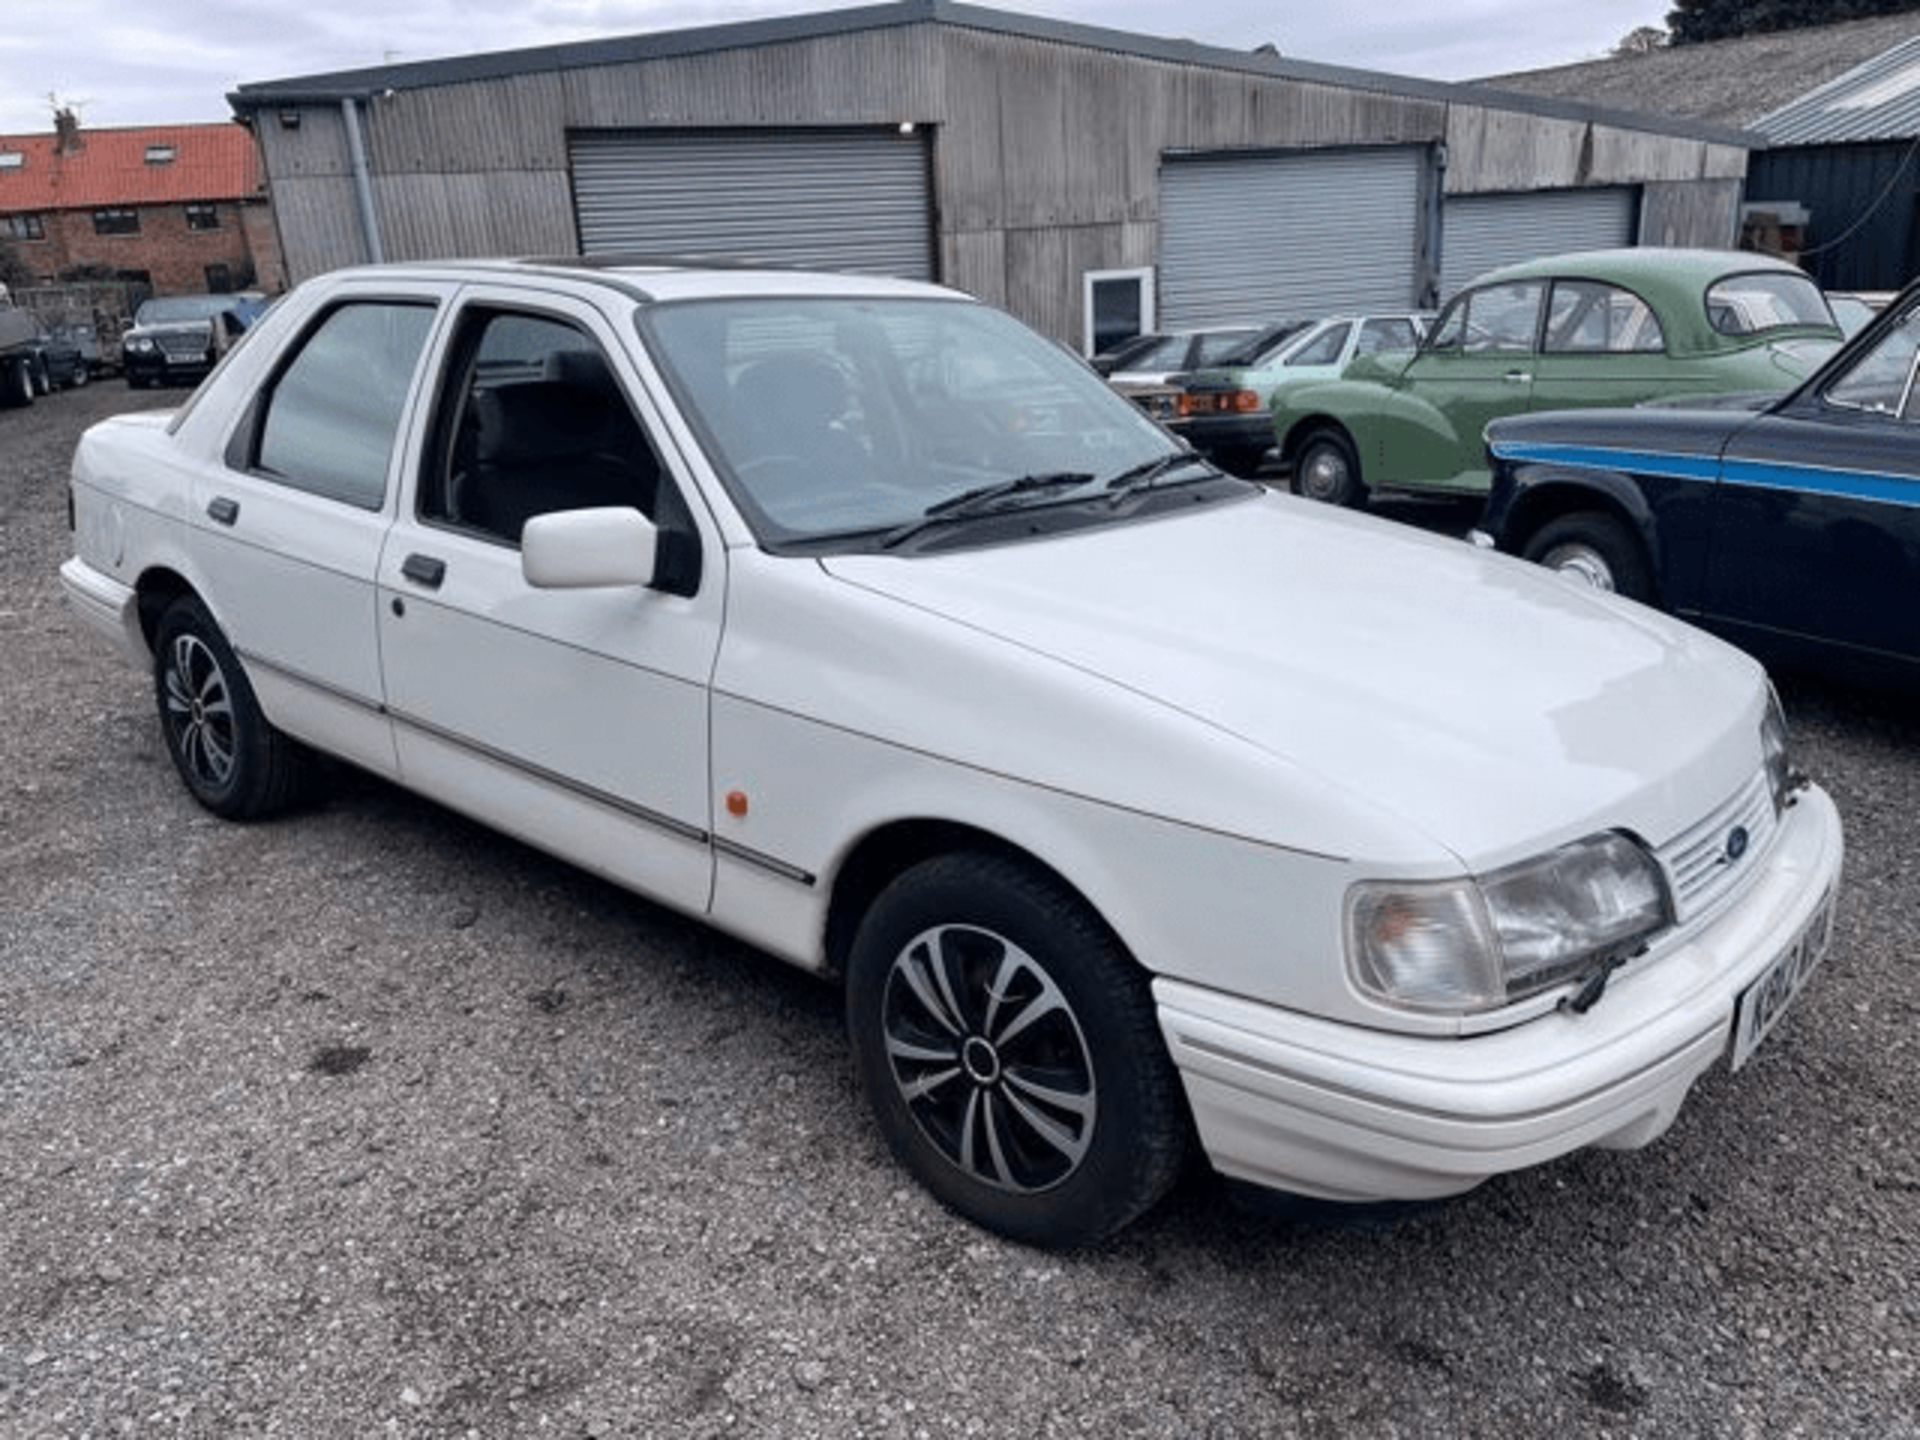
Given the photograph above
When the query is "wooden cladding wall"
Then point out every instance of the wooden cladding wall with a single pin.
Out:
(1046, 154)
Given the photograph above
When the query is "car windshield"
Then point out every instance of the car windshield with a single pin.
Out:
(844, 418)
(172, 309)
(1754, 303)
(1882, 379)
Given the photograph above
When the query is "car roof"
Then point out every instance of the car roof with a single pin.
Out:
(1693, 269)
(652, 279)
(1675, 283)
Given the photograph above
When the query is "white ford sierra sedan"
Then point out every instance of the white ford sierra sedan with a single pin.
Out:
(1135, 807)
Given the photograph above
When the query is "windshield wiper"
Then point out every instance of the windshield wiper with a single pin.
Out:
(1147, 474)
(992, 499)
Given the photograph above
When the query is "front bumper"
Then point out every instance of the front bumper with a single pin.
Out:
(160, 367)
(1338, 1112)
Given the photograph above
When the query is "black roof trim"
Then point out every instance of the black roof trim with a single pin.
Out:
(667, 44)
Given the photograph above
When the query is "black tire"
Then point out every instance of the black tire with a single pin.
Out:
(17, 375)
(230, 757)
(1325, 468)
(1050, 1114)
(1598, 549)
(1244, 463)
(42, 378)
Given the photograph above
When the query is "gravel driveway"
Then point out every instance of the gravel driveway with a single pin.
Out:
(370, 1123)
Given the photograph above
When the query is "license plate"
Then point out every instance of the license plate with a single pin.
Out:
(1767, 999)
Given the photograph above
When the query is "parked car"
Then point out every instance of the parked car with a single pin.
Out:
(82, 336)
(1610, 327)
(856, 619)
(63, 363)
(176, 339)
(33, 361)
(19, 356)
(1223, 412)
(1791, 526)
(1147, 376)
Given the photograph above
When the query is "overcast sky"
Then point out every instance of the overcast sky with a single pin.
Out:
(148, 62)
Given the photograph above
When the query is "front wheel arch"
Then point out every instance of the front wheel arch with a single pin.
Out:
(1328, 451)
(1009, 1047)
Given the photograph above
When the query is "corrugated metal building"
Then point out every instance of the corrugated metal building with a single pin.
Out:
(1834, 116)
(1847, 155)
(1090, 181)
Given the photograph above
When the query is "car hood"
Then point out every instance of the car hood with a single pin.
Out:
(1489, 703)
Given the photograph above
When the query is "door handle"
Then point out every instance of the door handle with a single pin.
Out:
(1518, 377)
(223, 511)
(424, 570)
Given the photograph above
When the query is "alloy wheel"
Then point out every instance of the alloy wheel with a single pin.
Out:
(989, 1058)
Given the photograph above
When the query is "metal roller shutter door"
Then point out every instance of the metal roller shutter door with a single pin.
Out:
(854, 200)
(1484, 232)
(1259, 237)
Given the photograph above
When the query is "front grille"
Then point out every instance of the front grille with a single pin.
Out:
(184, 347)
(1700, 862)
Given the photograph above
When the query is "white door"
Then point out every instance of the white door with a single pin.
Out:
(291, 525)
(577, 719)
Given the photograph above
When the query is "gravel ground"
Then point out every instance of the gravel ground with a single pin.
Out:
(368, 1122)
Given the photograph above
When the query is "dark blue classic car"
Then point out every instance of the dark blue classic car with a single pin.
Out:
(1789, 525)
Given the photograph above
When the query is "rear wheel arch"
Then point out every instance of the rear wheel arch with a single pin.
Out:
(231, 758)
(156, 591)
(1597, 541)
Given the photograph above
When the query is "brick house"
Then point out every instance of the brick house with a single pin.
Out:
(177, 209)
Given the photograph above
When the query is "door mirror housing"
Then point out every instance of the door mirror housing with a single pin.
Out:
(588, 549)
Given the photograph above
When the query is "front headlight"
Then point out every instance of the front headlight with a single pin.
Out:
(1777, 751)
(139, 345)
(1464, 945)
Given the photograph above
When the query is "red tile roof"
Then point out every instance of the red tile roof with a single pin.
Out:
(210, 162)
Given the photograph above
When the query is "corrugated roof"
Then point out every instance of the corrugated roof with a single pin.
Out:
(1723, 82)
(1879, 100)
(113, 168)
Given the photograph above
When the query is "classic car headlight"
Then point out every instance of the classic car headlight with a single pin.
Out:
(1464, 945)
(1777, 751)
(139, 344)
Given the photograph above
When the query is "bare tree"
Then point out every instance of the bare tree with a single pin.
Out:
(1642, 40)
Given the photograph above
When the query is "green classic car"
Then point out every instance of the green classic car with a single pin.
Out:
(1608, 327)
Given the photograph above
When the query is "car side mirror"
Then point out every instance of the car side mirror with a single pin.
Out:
(586, 549)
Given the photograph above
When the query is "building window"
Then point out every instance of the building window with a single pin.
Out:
(219, 280)
(23, 227)
(160, 154)
(12, 160)
(1119, 305)
(202, 215)
(116, 222)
